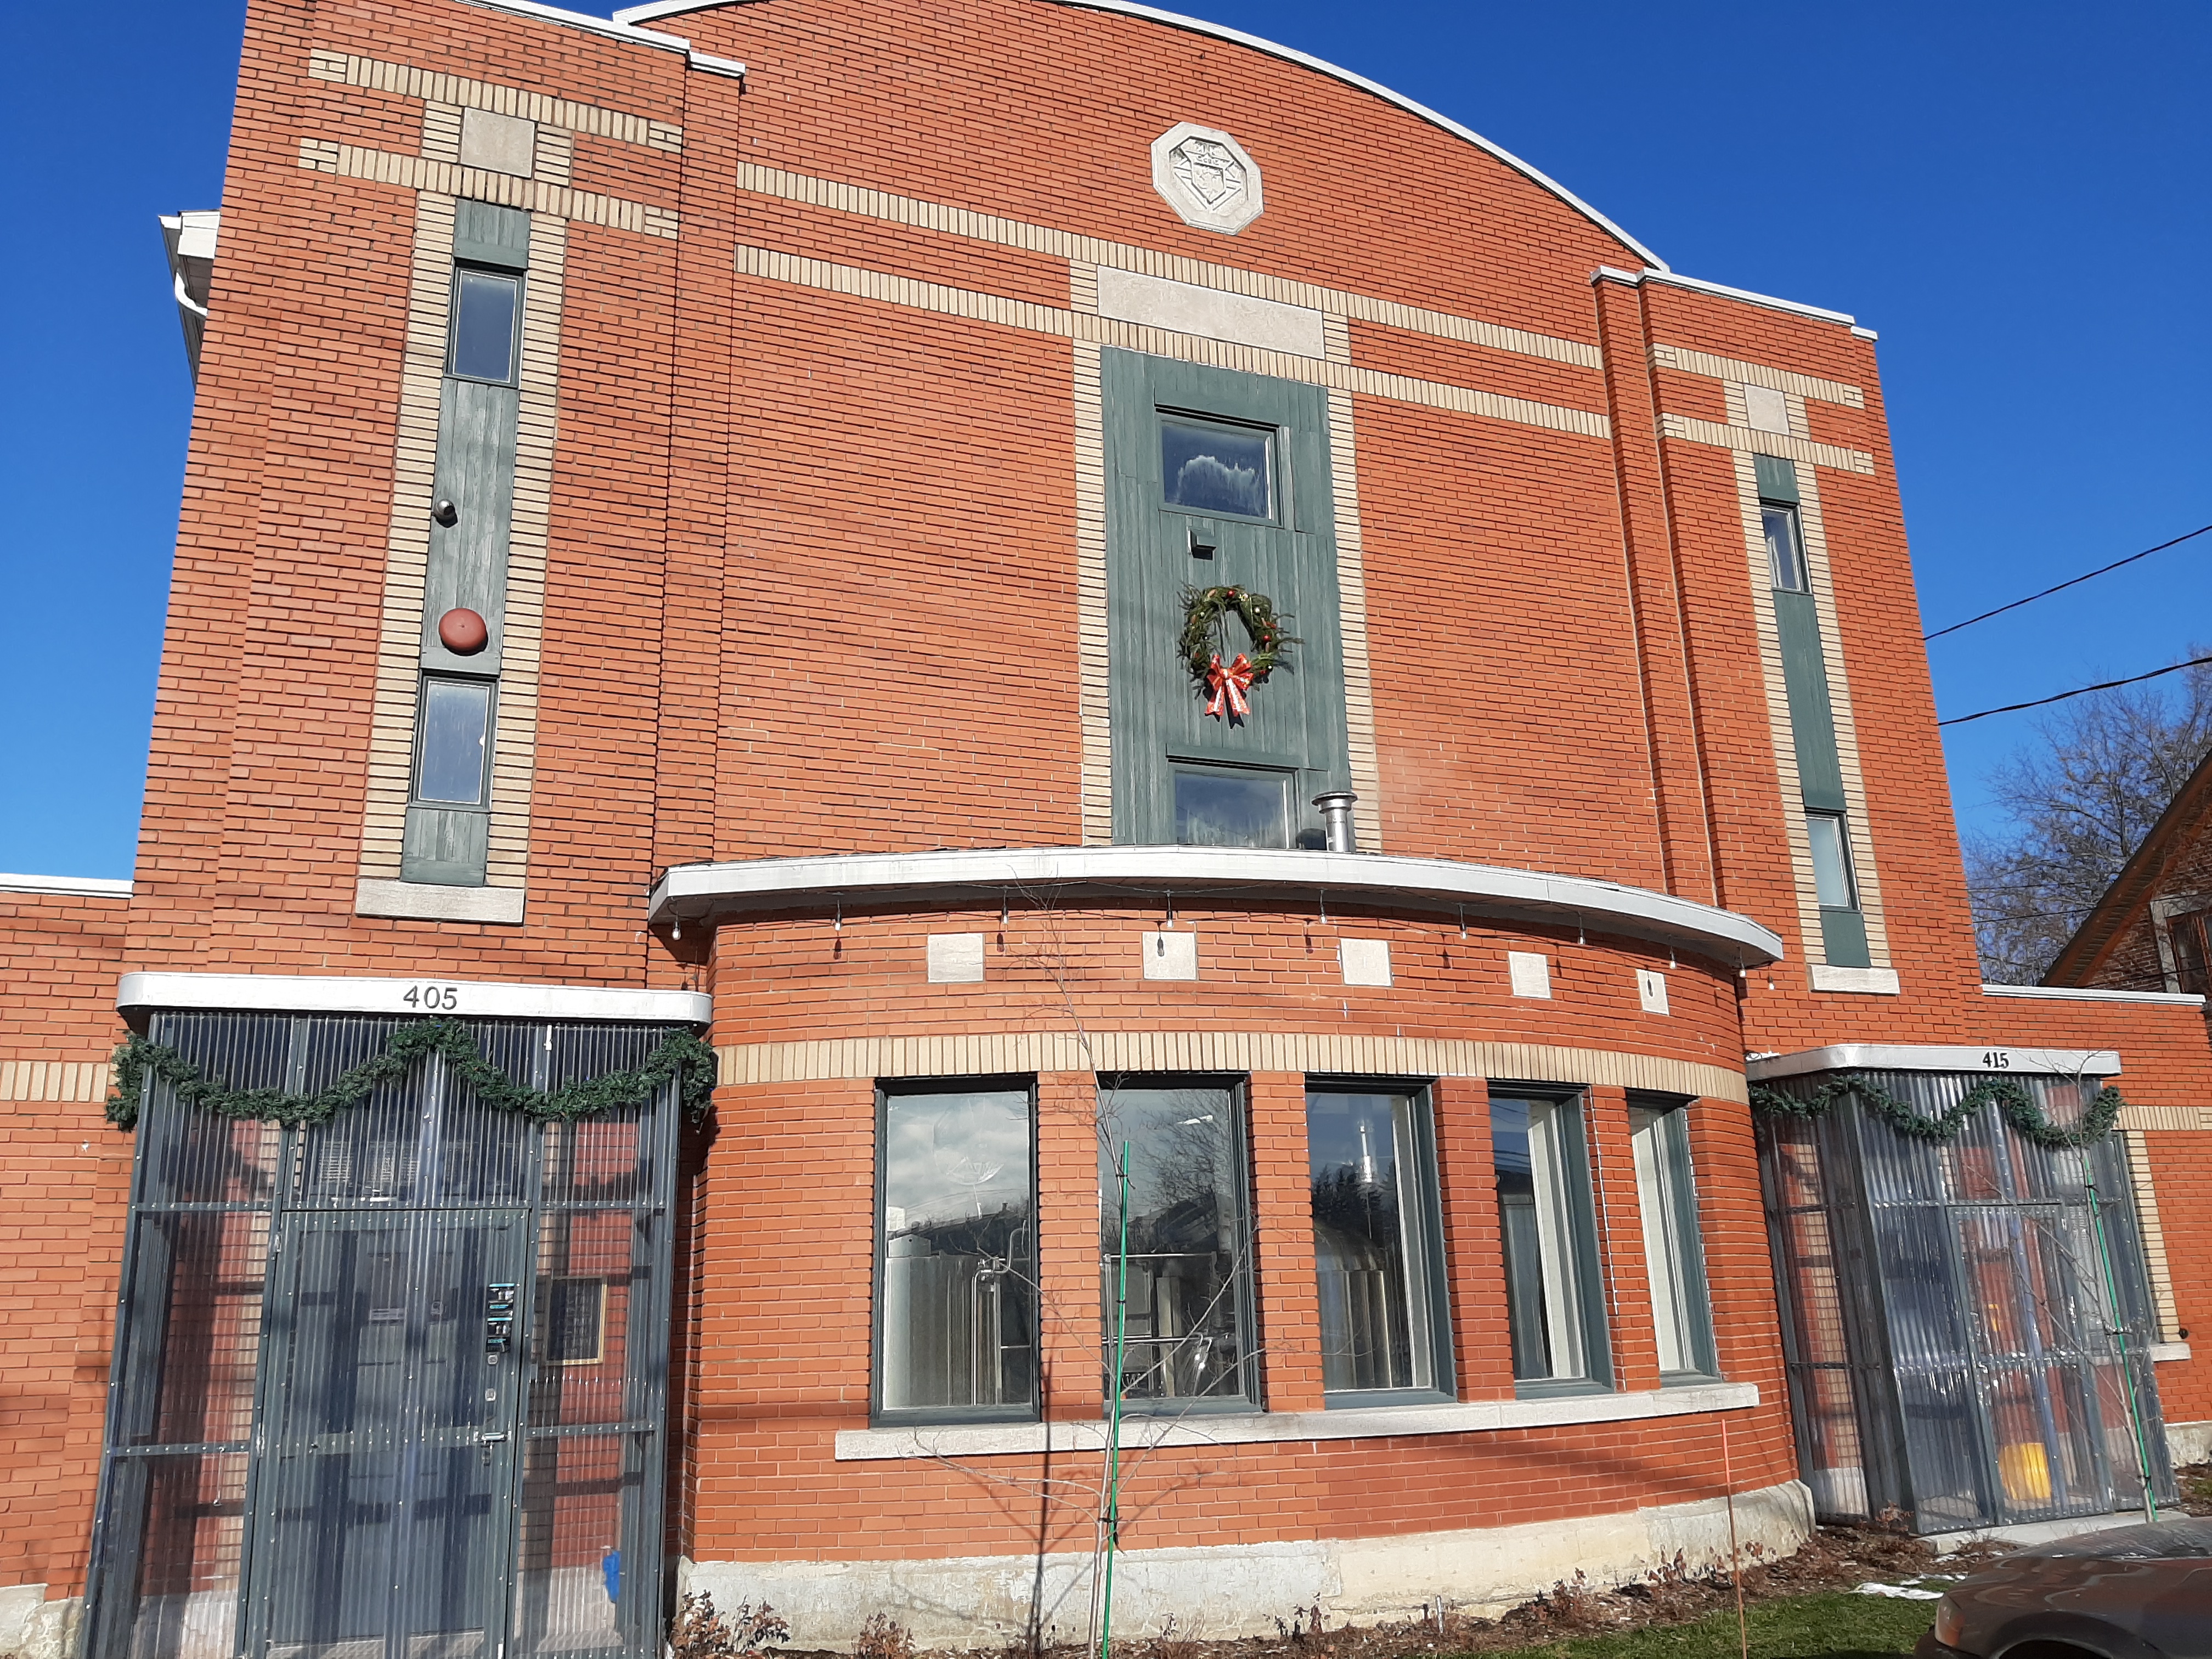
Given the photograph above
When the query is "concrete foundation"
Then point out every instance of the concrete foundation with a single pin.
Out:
(32, 1627)
(1243, 1589)
(2189, 1443)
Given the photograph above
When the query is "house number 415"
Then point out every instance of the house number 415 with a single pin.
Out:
(433, 998)
(1996, 1059)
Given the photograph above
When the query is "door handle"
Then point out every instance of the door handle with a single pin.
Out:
(487, 1439)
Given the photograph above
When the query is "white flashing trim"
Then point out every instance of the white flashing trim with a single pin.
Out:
(2071, 993)
(704, 890)
(620, 28)
(292, 995)
(69, 886)
(1273, 49)
(707, 64)
(1657, 273)
(1994, 1058)
(1256, 1428)
(1858, 333)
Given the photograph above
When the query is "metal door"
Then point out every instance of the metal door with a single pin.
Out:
(383, 1499)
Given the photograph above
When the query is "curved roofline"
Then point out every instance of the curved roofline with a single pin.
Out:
(633, 15)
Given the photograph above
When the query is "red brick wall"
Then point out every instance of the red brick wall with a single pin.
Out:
(64, 1183)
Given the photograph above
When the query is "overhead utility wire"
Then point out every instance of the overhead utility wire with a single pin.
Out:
(2062, 586)
(2083, 691)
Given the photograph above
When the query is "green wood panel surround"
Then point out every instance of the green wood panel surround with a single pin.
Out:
(1844, 940)
(1298, 720)
(467, 564)
(1812, 712)
(1777, 479)
(485, 233)
(446, 846)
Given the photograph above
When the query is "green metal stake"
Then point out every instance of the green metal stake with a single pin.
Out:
(1114, 1430)
(2119, 1342)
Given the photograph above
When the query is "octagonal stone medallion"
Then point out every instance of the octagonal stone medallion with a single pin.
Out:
(1206, 178)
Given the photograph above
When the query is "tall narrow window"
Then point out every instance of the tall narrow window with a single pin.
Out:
(1666, 1196)
(1832, 861)
(1786, 547)
(1188, 1265)
(456, 736)
(1377, 1263)
(1551, 1288)
(955, 1284)
(485, 304)
(2191, 957)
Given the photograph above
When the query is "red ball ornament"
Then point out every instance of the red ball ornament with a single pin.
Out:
(463, 633)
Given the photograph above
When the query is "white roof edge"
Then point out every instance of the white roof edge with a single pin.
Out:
(1661, 273)
(2071, 993)
(700, 889)
(69, 886)
(1997, 1058)
(300, 995)
(620, 28)
(1273, 49)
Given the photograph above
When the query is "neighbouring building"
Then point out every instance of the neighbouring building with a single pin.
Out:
(1249, 734)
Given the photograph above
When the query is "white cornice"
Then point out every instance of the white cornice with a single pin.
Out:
(67, 886)
(1995, 1059)
(712, 891)
(656, 9)
(469, 999)
(2083, 994)
(1661, 273)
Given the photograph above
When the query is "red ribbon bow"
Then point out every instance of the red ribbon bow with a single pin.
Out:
(1230, 685)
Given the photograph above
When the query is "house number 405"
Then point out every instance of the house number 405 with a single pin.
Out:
(443, 998)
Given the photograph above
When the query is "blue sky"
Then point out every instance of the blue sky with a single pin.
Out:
(2015, 196)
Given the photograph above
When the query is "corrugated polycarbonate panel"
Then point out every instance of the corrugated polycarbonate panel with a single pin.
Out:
(1988, 1313)
(177, 1597)
(454, 1316)
(574, 1589)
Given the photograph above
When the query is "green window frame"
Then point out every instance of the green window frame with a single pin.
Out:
(955, 1314)
(1191, 1343)
(1379, 1265)
(1674, 1243)
(1547, 1223)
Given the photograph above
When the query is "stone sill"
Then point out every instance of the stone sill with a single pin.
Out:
(1253, 1428)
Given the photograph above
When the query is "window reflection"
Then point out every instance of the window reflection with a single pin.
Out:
(1224, 808)
(1372, 1177)
(483, 325)
(1217, 469)
(958, 1274)
(1542, 1195)
(1189, 1275)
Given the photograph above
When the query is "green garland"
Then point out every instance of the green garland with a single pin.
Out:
(2012, 1098)
(682, 1056)
(1203, 608)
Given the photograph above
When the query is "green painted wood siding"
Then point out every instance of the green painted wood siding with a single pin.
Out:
(1297, 719)
(1811, 716)
(466, 562)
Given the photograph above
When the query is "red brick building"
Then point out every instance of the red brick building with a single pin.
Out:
(769, 520)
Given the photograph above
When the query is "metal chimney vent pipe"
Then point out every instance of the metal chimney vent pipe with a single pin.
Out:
(1336, 819)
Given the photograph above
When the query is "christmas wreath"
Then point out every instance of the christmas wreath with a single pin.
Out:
(1205, 613)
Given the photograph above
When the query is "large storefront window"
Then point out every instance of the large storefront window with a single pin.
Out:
(1186, 1343)
(956, 1299)
(393, 1383)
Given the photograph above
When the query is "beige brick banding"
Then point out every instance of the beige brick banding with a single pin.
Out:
(418, 172)
(1690, 361)
(860, 282)
(1745, 440)
(433, 87)
(980, 1055)
(74, 1082)
(950, 221)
